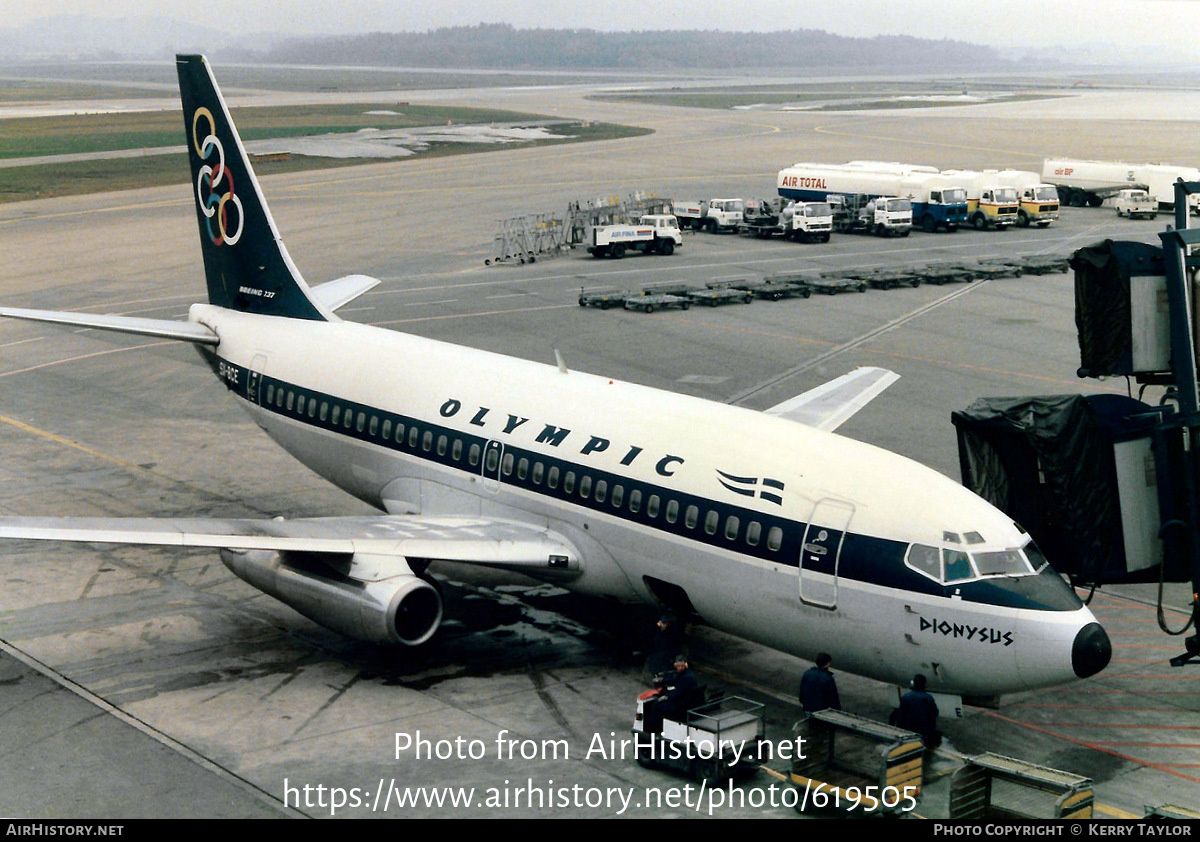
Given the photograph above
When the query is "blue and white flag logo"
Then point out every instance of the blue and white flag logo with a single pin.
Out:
(752, 486)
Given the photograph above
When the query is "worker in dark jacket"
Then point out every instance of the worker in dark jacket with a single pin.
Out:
(669, 641)
(683, 691)
(818, 689)
(678, 694)
(918, 712)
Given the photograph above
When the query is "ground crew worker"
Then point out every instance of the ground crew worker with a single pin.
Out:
(668, 642)
(818, 689)
(919, 712)
(679, 694)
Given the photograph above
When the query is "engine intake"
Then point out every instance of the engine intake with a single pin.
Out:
(377, 599)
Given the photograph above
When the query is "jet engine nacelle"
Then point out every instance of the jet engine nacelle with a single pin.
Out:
(377, 599)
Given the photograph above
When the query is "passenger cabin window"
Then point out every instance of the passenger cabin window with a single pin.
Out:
(672, 511)
(753, 533)
(731, 527)
(774, 538)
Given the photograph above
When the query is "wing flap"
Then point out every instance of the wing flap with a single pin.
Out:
(829, 405)
(493, 543)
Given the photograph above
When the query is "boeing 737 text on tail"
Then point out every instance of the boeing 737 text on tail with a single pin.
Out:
(764, 524)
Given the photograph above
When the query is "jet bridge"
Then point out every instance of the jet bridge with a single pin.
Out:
(1109, 486)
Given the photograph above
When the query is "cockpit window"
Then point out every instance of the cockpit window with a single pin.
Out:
(951, 565)
(925, 559)
(1004, 563)
(1036, 560)
(958, 565)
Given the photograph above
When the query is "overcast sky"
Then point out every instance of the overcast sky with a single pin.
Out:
(1164, 23)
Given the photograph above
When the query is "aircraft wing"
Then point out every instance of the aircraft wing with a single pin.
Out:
(161, 328)
(829, 405)
(492, 543)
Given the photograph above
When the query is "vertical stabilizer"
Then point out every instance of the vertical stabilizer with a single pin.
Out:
(247, 266)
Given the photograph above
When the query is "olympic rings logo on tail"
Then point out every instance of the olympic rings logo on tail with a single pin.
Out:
(214, 205)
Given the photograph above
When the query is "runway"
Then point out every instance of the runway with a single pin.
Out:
(242, 703)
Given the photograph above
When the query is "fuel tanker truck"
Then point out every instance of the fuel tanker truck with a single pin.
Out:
(990, 204)
(937, 201)
(1038, 200)
(1082, 183)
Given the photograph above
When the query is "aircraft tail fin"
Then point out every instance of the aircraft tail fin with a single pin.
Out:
(247, 266)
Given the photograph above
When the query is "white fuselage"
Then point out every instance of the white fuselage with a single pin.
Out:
(653, 487)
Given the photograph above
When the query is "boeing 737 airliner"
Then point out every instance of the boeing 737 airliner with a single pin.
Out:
(763, 524)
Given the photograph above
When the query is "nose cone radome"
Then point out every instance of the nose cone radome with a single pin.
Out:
(1091, 650)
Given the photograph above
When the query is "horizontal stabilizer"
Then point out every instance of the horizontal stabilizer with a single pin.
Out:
(161, 328)
(334, 294)
(470, 540)
(829, 405)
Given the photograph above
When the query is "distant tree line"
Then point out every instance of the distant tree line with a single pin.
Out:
(504, 46)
